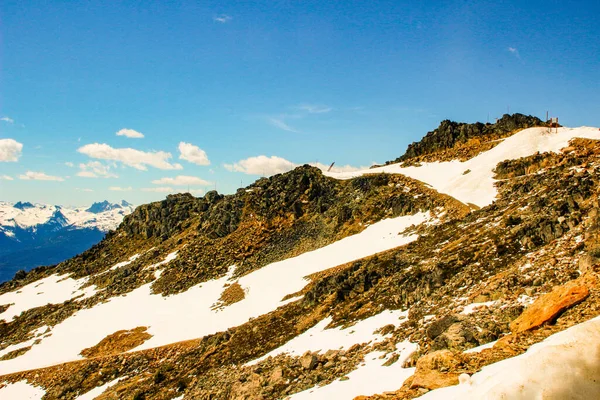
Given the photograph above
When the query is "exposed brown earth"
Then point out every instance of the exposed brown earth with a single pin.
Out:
(232, 294)
(118, 342)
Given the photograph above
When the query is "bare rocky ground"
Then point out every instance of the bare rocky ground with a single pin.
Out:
(531, 260)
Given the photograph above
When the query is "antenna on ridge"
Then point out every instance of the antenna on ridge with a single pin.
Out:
(331, 166)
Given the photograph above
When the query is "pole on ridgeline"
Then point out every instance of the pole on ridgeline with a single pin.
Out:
(331, 166)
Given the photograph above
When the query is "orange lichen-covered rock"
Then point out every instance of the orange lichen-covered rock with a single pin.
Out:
(431, 372)
(548, 306)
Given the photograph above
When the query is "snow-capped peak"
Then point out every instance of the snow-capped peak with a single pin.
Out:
(103, 206)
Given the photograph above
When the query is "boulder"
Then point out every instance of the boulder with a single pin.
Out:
(277, 375)
(308, 361)
(434, 370)
(549, 306)
(438, 327)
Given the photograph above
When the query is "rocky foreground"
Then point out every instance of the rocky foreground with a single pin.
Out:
(306, 286)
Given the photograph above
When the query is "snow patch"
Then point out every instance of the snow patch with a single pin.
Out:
(95, 392)
(318, 338)
(54, 289)
(471, 308)
(21, 390)
(370, 378)
(564, 366)
(479, 349)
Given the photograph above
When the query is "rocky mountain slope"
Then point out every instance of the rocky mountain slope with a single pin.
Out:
(39, 234)
(391, 283)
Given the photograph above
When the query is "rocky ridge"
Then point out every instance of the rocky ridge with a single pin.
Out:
(472, 278)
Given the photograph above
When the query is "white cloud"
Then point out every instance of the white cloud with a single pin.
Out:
(8, 120)
(261, 165)
(514, 51)
(193, 154)
(281, 124)
(134, 158)
(314, 108)
(39, 176)
(10, 150)
(69, 164)
(84, 190)
(6, 178)
(223, 18)
(120, 189)
(130, 133)
(95, 169)
(182, 180)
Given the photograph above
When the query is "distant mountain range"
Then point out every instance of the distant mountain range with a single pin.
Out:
(40, 234)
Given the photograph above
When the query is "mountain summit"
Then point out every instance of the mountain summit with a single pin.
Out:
(457, 273)
(103, 206)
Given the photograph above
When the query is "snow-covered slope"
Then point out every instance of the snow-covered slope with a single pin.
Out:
(42, 234)
(472, 181)
(190, 314)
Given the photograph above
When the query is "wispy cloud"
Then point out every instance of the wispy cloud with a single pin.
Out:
(130, 133)
(10, 150)
(182, 180)
(514, 51)
(314, 108)
(95, 169)
(278, 122)
(7, 120)
(69, 164)
(84, 190)
(39, 176)
(222, 18)
(131, 157)
(6, 178)
(193, 154)
(120, 189)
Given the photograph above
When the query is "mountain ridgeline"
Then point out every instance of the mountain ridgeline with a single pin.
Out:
(312, 285)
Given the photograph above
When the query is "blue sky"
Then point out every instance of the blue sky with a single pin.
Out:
(292, 81)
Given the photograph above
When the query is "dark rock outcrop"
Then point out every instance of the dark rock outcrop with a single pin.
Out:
(449, 133)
